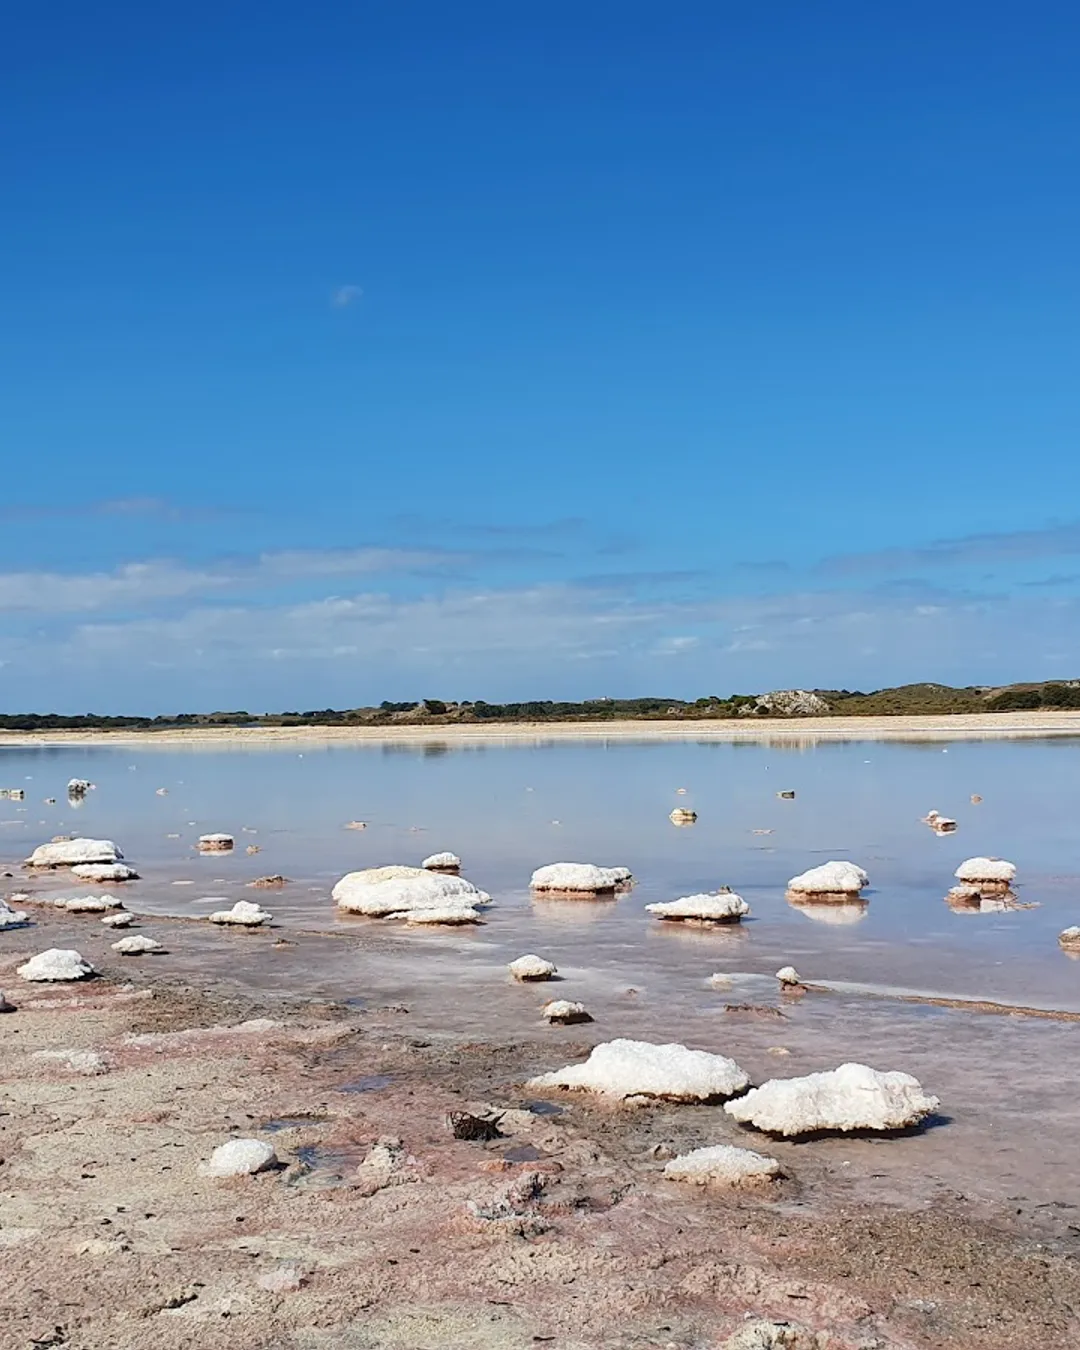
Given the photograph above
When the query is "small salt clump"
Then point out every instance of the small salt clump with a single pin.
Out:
(563, 1012)
(831, 878)
(532, 967)
(122, 920)
(984, 871)
(442, 862)
(852, 1097)
(579, 878)
(55, 965)
(625, 1068)
(136, 946)
(1070, 937)
(938, 823)
(725, 908)
(103, 872)
(79, 787)
(682, 815)
(74, 852)
(723, 1165)
(239, 1157)
(245, 914)
(788, 975)
(215, 843)
(89, 904)
(12, 918)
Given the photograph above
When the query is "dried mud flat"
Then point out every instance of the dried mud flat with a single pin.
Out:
(381, 1229)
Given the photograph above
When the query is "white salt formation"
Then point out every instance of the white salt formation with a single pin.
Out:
(136, 946)
(442, 862)
(89, 904)
(244, 914)
(789, 976)
(986, 871)
(215, 843)
(1070, 937)
(532, 967)
(73, 852)
(831, 878)
(54, 965)
(682, 815)
(105, 872)
(79, 787)
(117, 920)
(239, 1157)
(563, 1012)
(938, 823)
(12, 918)
(440, 914)
(640, 1069)
(392, 892)
(579, 878)
(727, 907)
(852, 1097)
(723, 1165)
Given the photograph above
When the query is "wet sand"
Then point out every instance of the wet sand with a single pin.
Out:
(964, 1234)
(959, 726)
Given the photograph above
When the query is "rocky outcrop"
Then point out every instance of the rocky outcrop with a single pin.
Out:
(787, 703)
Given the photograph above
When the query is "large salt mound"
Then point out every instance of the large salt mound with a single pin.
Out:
(995, 870)
(586, 878)
(641, 1069)
(382, 891)
(723, 1165)
(74, 852)
(831, 878)
(852, 1097)
(54, 965)
(724, 908)
(104, 872)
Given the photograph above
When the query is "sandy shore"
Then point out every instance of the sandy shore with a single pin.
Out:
(962, 726)
(380, 1228)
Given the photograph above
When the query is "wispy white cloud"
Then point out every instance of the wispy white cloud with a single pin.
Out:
(345, 296)
(1005, 546)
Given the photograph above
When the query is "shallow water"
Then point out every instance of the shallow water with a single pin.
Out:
(507, 809)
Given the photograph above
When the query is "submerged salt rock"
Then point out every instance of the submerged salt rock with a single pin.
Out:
(831, 878)
(727, 907)
(12, 918)
(442, 862)
(56, 964)
(585, 878)
(995, 871)
(723, 1165)
(215, 843)
(625, 1068)
(245, 914)
(682, 815)
(239, 1157)
(122, 920)
(89, 904)
(136, 945)
(852, 1097)
(1070, 937)
(532, 967)
(102, 872)
(382, 891)
(74, 852)
(564, 1012)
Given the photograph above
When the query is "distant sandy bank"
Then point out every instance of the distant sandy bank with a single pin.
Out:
(961, 726)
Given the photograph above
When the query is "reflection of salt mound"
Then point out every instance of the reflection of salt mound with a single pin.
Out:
(842, 911)
(986, 871)
(703, 909)
(381, 892)
(852, 1097)
(583, 878)
(451, 915)
(105, 872)
(723, 1165)
(831, 878)
(74, 852)
(54, 965)
(639, 1069)
(442, 862)
(991, 897)
(682, 815)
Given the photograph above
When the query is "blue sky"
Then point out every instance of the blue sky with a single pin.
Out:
(494, 351)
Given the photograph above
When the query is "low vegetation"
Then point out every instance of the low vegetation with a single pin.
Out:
(905, 700)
